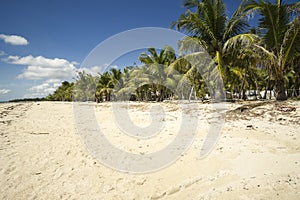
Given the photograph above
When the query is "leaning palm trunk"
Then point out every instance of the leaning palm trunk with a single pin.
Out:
(191, 93)
(242, 90)
(280, 89)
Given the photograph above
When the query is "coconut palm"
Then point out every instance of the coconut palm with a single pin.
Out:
(104, 87)
(245, 70)
(125, 88)
(62, 93)
(281, 34)
(210, 25)
(85, 87)
(207, 23)
(155, 65)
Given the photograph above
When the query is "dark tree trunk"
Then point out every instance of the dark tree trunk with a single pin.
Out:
(267, 88)
(161, 95)
(297, 83)
(280, 89)
(242, 91)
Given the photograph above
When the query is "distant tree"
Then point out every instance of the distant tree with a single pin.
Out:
(85, 87)
(105, 86)
(62, 93)
(155, 66)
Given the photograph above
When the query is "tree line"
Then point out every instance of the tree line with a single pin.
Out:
(261, 58)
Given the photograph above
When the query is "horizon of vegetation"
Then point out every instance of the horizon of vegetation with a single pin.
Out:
(261, 58)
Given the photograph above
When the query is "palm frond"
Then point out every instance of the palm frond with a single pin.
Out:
(238, 22)
(291, 42)
(240, 41)
(190, 3)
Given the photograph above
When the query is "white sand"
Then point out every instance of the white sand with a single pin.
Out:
(43, 157)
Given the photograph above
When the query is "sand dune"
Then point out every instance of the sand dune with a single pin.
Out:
(42, 155)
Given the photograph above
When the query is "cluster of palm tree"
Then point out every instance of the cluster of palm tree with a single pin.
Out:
(62, 93)
(263, 58)
(246, 58)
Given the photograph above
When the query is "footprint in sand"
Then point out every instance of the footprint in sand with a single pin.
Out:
(10, 170)
(158, 196)
(174, 190)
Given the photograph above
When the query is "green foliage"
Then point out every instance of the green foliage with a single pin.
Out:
(62, 93)
(84, 87)
(281, 39)
(261, 58)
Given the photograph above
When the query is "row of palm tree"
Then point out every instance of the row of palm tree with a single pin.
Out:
(62, 93)
(262, 58)
(238, 52)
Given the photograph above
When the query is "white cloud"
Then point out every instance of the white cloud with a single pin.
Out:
(53, 81)
(14, 39)
(4, 91)
(75, 63)
(44, 68)
(50, 71)
(93, 70)
(2, 53)
(98, 69)
(44, 89)
(113, 67)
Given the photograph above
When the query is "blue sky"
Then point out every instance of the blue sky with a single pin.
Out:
(57, 35)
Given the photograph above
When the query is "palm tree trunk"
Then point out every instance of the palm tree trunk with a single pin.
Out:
(280, 89)
(191, 93)
(242, 93)
(161, 95)
(267, 88)
(297, 81)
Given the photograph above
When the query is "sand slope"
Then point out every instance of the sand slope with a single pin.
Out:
(43, 157)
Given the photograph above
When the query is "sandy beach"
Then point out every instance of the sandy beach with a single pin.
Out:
(257, 156)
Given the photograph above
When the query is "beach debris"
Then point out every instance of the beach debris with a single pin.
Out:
(141, 181)
(249, 127)
(250, 106)
(108, 188)
(243, 109)
(7, 122)
(3, 114)
(220, 149)
(247, 111)
(10, 108)
(39, 133)
(286, 108)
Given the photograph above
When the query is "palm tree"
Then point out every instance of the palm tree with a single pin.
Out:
(116, 79)
(187, 77)
(62, 93)
(104, 87)
(207, 23)
(296, 85)
(124, 88)
(155, 65)
(245, 69)
(280, 24)
(85, 87)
